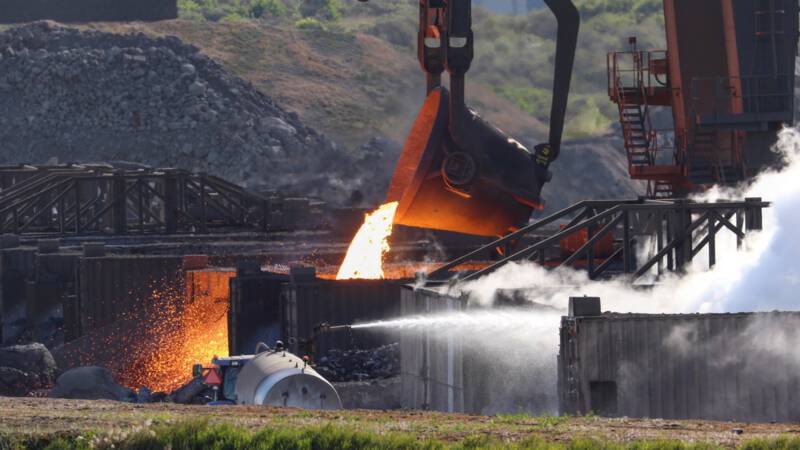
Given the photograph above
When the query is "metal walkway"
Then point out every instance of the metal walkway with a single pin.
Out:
(100, 199)
(680, 229)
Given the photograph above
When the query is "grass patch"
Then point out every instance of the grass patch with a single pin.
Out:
(208, 435)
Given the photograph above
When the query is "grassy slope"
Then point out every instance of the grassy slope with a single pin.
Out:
(350, 85)
(354, 85)
(369, 86)
(36, 419)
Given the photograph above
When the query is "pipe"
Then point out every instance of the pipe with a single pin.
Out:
(339, 327)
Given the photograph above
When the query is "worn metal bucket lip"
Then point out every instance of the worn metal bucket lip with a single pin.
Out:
(423, 141)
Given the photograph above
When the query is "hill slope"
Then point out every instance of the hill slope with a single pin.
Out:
(350, 85)
(354, 86)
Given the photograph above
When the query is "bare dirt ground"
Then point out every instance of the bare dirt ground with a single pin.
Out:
(35, 416)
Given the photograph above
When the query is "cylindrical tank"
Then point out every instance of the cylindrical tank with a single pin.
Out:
(277, 378)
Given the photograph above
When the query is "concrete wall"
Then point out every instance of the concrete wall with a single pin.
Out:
(17, 11)
(741, 367)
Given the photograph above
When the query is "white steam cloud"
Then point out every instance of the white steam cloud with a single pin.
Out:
(763, 276)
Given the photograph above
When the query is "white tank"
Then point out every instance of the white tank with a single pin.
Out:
(277, 378)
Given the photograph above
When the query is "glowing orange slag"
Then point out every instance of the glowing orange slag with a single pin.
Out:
(364, 259)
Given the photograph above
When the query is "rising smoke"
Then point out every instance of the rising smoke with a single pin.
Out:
(762, 276)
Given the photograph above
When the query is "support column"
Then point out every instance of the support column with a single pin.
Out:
(119, 204)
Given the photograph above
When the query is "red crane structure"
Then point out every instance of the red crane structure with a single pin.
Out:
(728, 76)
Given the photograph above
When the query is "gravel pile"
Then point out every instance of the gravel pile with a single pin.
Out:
(25, 369)
(359, 365)
(85, 96)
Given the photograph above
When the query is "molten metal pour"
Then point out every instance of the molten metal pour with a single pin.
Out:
(364, 259)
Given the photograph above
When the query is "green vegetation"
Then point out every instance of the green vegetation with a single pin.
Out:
(325, 9)
(221, 10)
(225, 10)
(309, 23)
(513, 55)
(206, 435)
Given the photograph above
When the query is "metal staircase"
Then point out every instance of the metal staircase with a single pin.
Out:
(635, 131)
(632, 88)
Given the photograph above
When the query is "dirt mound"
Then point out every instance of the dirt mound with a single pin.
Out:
(81, 96)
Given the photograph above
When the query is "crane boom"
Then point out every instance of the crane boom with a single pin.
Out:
(457, 171)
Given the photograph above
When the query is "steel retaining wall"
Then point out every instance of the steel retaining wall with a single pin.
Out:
(431, 360)
(254, 313)
(703, 366)
(307, 304)
(111, 287)
(147, 316)
(484, 370)
(266, 307)
(17, 266)
(53, 282)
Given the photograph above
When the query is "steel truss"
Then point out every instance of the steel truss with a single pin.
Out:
(99, 199)
(681, 229)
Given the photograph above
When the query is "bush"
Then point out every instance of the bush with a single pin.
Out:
(231, 10)
(323, 9)
(189, 9)
(232, 17)
(309, 23)
(267, 8)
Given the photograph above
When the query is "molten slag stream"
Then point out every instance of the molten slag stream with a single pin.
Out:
(364, 259)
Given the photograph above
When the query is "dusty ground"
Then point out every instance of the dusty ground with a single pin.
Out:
(25, 416)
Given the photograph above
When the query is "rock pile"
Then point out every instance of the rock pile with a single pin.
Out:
(90, 383)
(192, 393)
(360, 365)
(88, 96)
(25, 369)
